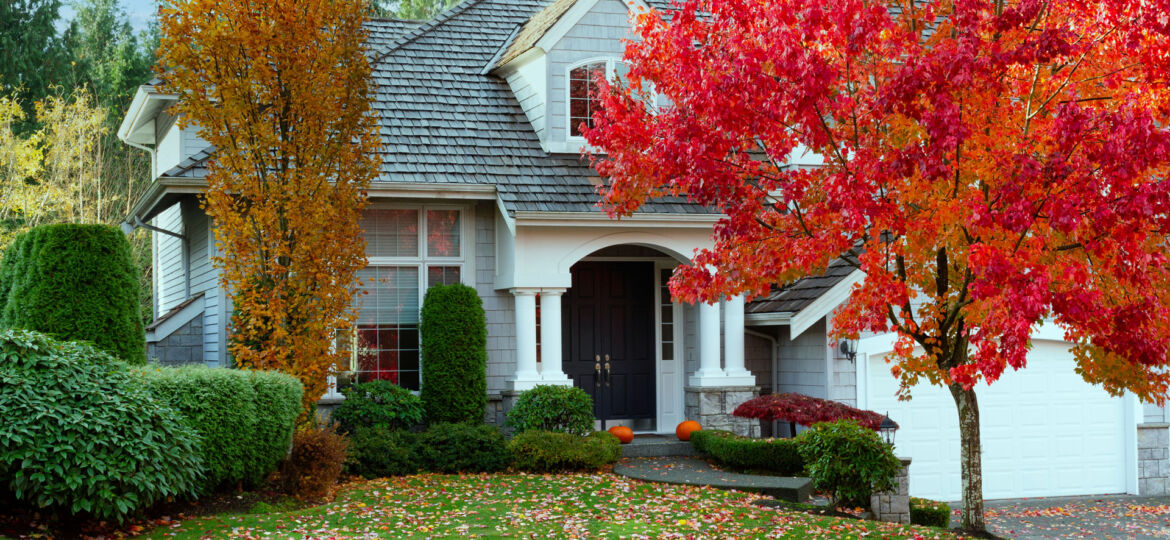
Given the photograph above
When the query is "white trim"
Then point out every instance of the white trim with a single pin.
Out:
(824, 305)
(176, 321)
(422, 190)
(1133, 413)
(768, 319)
(577, 141)
(601, 219)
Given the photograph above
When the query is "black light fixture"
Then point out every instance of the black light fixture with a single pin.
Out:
(887, 429)
(848, 348)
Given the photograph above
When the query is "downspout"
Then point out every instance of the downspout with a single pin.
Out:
(775, 367)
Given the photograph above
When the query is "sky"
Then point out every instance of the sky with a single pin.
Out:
(139, 12)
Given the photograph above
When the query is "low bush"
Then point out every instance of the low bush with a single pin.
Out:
(549, 451)
(929, 513)
(453, 330)
(376, 452)
(566, 409)
(74, 282)
(315, 463)
(848, 461)
(778, 456)
(244, 418)
(81, 435)
(377, 404)
(459, 448)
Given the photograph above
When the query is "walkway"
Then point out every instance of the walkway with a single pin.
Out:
(696, 472)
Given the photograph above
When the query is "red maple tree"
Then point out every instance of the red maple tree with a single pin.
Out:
(989, 165)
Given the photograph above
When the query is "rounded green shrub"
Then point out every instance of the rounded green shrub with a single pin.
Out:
(380, 404)
(461, 448)
(77, 283)
(81, 434)
(377, 452)
(776, 456)
(244, 418)
(453, 330)
(929, 513)
(540, 451)
(848, 461)
(567, 409)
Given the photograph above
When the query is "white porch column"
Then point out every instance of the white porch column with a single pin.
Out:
(733, 343)
(709, 373)
(526, 375)
(551, 371)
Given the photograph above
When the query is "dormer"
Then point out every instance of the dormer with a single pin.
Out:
(550, 63)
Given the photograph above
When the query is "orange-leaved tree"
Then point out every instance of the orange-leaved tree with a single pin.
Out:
(988, 165)
(281, 89)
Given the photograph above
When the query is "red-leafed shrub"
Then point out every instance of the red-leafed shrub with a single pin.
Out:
(804, 410)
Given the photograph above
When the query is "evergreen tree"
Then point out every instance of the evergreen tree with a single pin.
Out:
(34, 57)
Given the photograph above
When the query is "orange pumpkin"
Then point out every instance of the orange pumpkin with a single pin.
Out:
(684, 430)
(623, 433)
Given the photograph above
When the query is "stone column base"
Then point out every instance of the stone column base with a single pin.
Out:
(894, 505)
(711, 406)
(1153, 459)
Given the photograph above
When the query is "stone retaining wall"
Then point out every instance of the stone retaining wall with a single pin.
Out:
(712, 407)
(183, 346)
(894, 505)
(1153, 459)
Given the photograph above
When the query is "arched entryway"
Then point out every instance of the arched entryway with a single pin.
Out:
(620, 331)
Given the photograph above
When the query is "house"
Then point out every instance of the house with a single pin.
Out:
(482, 184)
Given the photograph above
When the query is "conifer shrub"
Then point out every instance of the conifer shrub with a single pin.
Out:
(453, 330)
(377, 452)
(244, 418)
(540, 451)
(76, 283)
(81, 435)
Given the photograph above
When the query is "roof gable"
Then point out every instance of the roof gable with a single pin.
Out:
(549, 25)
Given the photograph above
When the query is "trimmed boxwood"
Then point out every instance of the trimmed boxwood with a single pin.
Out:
(549, 451)
(377, 404)
(81, 435)
(461, 448)
(244, 418)
(777, 456)
(77, 283)
(453, 330)
(376, 452)
(929, 513)
(567, 409)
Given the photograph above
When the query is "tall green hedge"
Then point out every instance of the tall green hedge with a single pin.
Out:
(77, 283)
(454, 355)
(244, 418)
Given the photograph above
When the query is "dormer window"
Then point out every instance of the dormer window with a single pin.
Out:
(583, 101)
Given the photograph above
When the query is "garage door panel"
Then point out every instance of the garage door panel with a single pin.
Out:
(1045, 432)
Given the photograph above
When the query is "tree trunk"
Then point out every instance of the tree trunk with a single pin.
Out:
(971, 460)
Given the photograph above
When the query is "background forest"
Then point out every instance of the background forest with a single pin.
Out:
(65, 82)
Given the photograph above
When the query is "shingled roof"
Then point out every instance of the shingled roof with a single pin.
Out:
(794, 297)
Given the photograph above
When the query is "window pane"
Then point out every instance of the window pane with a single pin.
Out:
(582, 102)
(390, 233)
(442, 233)
(390, 295)
(442, 275)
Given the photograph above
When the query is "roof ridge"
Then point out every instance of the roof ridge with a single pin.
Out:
(426, 27)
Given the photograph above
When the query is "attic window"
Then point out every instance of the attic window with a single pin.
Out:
(582, 94)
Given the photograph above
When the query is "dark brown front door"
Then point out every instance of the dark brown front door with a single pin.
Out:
(610, 311)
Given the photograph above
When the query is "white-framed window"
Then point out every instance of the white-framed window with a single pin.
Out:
(582, 89)
(410, 248)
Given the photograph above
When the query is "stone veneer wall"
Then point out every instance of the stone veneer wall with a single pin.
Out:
(1154, 459)
(894, 505)
(712, 407)
(183, 346)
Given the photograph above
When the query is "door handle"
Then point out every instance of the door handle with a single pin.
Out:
(597, 370)
(608, 375)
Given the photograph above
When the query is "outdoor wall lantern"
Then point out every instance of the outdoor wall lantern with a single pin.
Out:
(848, 348)
(887, 429)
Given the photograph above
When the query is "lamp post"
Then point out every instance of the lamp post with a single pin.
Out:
(887, 429)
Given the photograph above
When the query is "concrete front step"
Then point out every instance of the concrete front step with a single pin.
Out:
(657, 446)
(696, 472)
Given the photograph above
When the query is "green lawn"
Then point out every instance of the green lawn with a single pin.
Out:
(552, 506)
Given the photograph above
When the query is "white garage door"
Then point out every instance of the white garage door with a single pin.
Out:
(1045, 431)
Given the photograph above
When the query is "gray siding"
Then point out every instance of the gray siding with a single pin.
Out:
(497, 305)
(598, 35)
(1152, 413)
(204, 278)
(171, 285)
(758, 360)
(802, 362)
